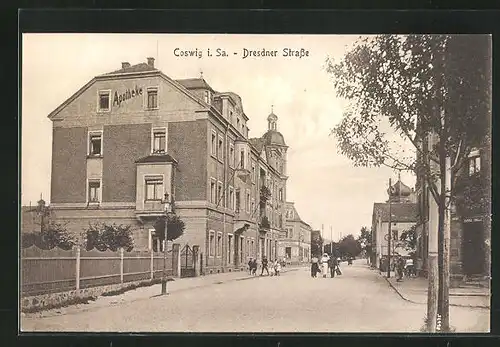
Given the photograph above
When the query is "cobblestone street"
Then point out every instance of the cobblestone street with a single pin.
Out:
(358, 301)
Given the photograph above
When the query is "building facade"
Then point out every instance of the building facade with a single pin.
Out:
(470, 231)
(130, 140)
(402, 214)
(296, 244)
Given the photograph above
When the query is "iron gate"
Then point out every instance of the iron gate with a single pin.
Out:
(188, 261)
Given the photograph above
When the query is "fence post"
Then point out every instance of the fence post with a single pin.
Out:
(152, 264)
(176, 260)
(121, 264)
(77, 271)
(196, 257)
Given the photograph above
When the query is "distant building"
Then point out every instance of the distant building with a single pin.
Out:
(296, 245)
(403, 217)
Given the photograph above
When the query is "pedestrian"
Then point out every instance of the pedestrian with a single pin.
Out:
(332, 264)
(324, 263)
(400, 266)
(264, 266)
(254, 266)
(277, 267)
(314, 267)
(250, 265)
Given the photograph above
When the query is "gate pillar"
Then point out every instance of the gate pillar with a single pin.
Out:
(176, 260)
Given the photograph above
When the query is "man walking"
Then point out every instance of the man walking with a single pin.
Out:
(264, 266)
(332, 263)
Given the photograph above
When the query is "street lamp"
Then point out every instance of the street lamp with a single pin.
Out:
(168, 210)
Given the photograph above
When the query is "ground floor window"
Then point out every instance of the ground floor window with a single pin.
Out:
(211, 244)
(229, 249)
(218, 249)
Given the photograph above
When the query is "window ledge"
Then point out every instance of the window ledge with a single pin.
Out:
(152, 109)
(97, 156)
(103, 111)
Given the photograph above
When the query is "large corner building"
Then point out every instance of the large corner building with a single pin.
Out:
(128, 137)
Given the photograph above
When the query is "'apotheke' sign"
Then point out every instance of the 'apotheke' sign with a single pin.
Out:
(128, 94)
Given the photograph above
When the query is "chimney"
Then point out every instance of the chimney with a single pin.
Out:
(151, 62)
(125, 64)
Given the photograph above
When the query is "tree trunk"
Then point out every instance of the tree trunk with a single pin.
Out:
(446, 227)
(432, 292)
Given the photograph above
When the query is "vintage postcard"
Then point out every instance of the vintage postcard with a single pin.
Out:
(255, 183)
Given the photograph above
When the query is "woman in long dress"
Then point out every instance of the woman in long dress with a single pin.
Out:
(324, 262)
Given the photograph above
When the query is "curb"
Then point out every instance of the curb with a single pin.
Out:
(423, 303)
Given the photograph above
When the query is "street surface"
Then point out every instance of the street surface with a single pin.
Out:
(360, 300)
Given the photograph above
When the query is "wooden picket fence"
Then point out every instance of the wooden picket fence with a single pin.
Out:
(57, 270)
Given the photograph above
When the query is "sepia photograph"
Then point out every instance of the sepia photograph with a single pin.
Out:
(255, 183)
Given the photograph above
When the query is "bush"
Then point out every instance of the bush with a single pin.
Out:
(53, 235)
(102, 237)
(175, 227)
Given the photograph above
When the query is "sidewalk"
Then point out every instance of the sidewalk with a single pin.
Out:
(415, 290)
(173, 287)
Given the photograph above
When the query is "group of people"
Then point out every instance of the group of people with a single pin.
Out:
(275, 266)
(329, 264)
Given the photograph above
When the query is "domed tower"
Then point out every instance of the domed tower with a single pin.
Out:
(275, 144)
(400, 192)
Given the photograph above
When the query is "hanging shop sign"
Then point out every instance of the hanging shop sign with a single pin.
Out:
(127, 95)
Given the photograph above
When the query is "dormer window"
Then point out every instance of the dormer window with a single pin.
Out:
(207, 96)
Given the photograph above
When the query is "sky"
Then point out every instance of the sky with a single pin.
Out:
(327, 189)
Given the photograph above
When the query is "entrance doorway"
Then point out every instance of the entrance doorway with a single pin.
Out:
(473, 249)
(288, 252)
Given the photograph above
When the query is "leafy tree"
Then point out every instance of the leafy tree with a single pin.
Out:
(332, 245)
(175, 227)
(316, 243)
(104, 236)
(434, 92)
(365, 241)
(410, 238)
(349, 247)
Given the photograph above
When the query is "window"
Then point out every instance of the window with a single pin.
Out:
(238, 200)
(474, 165)
(104, 100)
(253, 172)
(230, 116)
(207, 96)
(291, 233)
(253, 247)
(159, 140)
(281, 194)
(211, 244)
(237, 124)
(152, 98)
(231, 198)
(212, 191)
(252, 210)
(220, 194)
(220, 147)
(94, 191)
(95, 144)
(154, 189)
(231, 155)
(248, 201)
(248, 248)
(242, 159)
(219, 244)
(214, 143)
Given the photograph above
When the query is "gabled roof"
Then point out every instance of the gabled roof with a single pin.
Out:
(401, 212)
(157, 158)
(142, 67)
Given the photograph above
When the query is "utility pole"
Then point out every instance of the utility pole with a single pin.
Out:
(164, 275)
(389, 233)
(331, 240)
